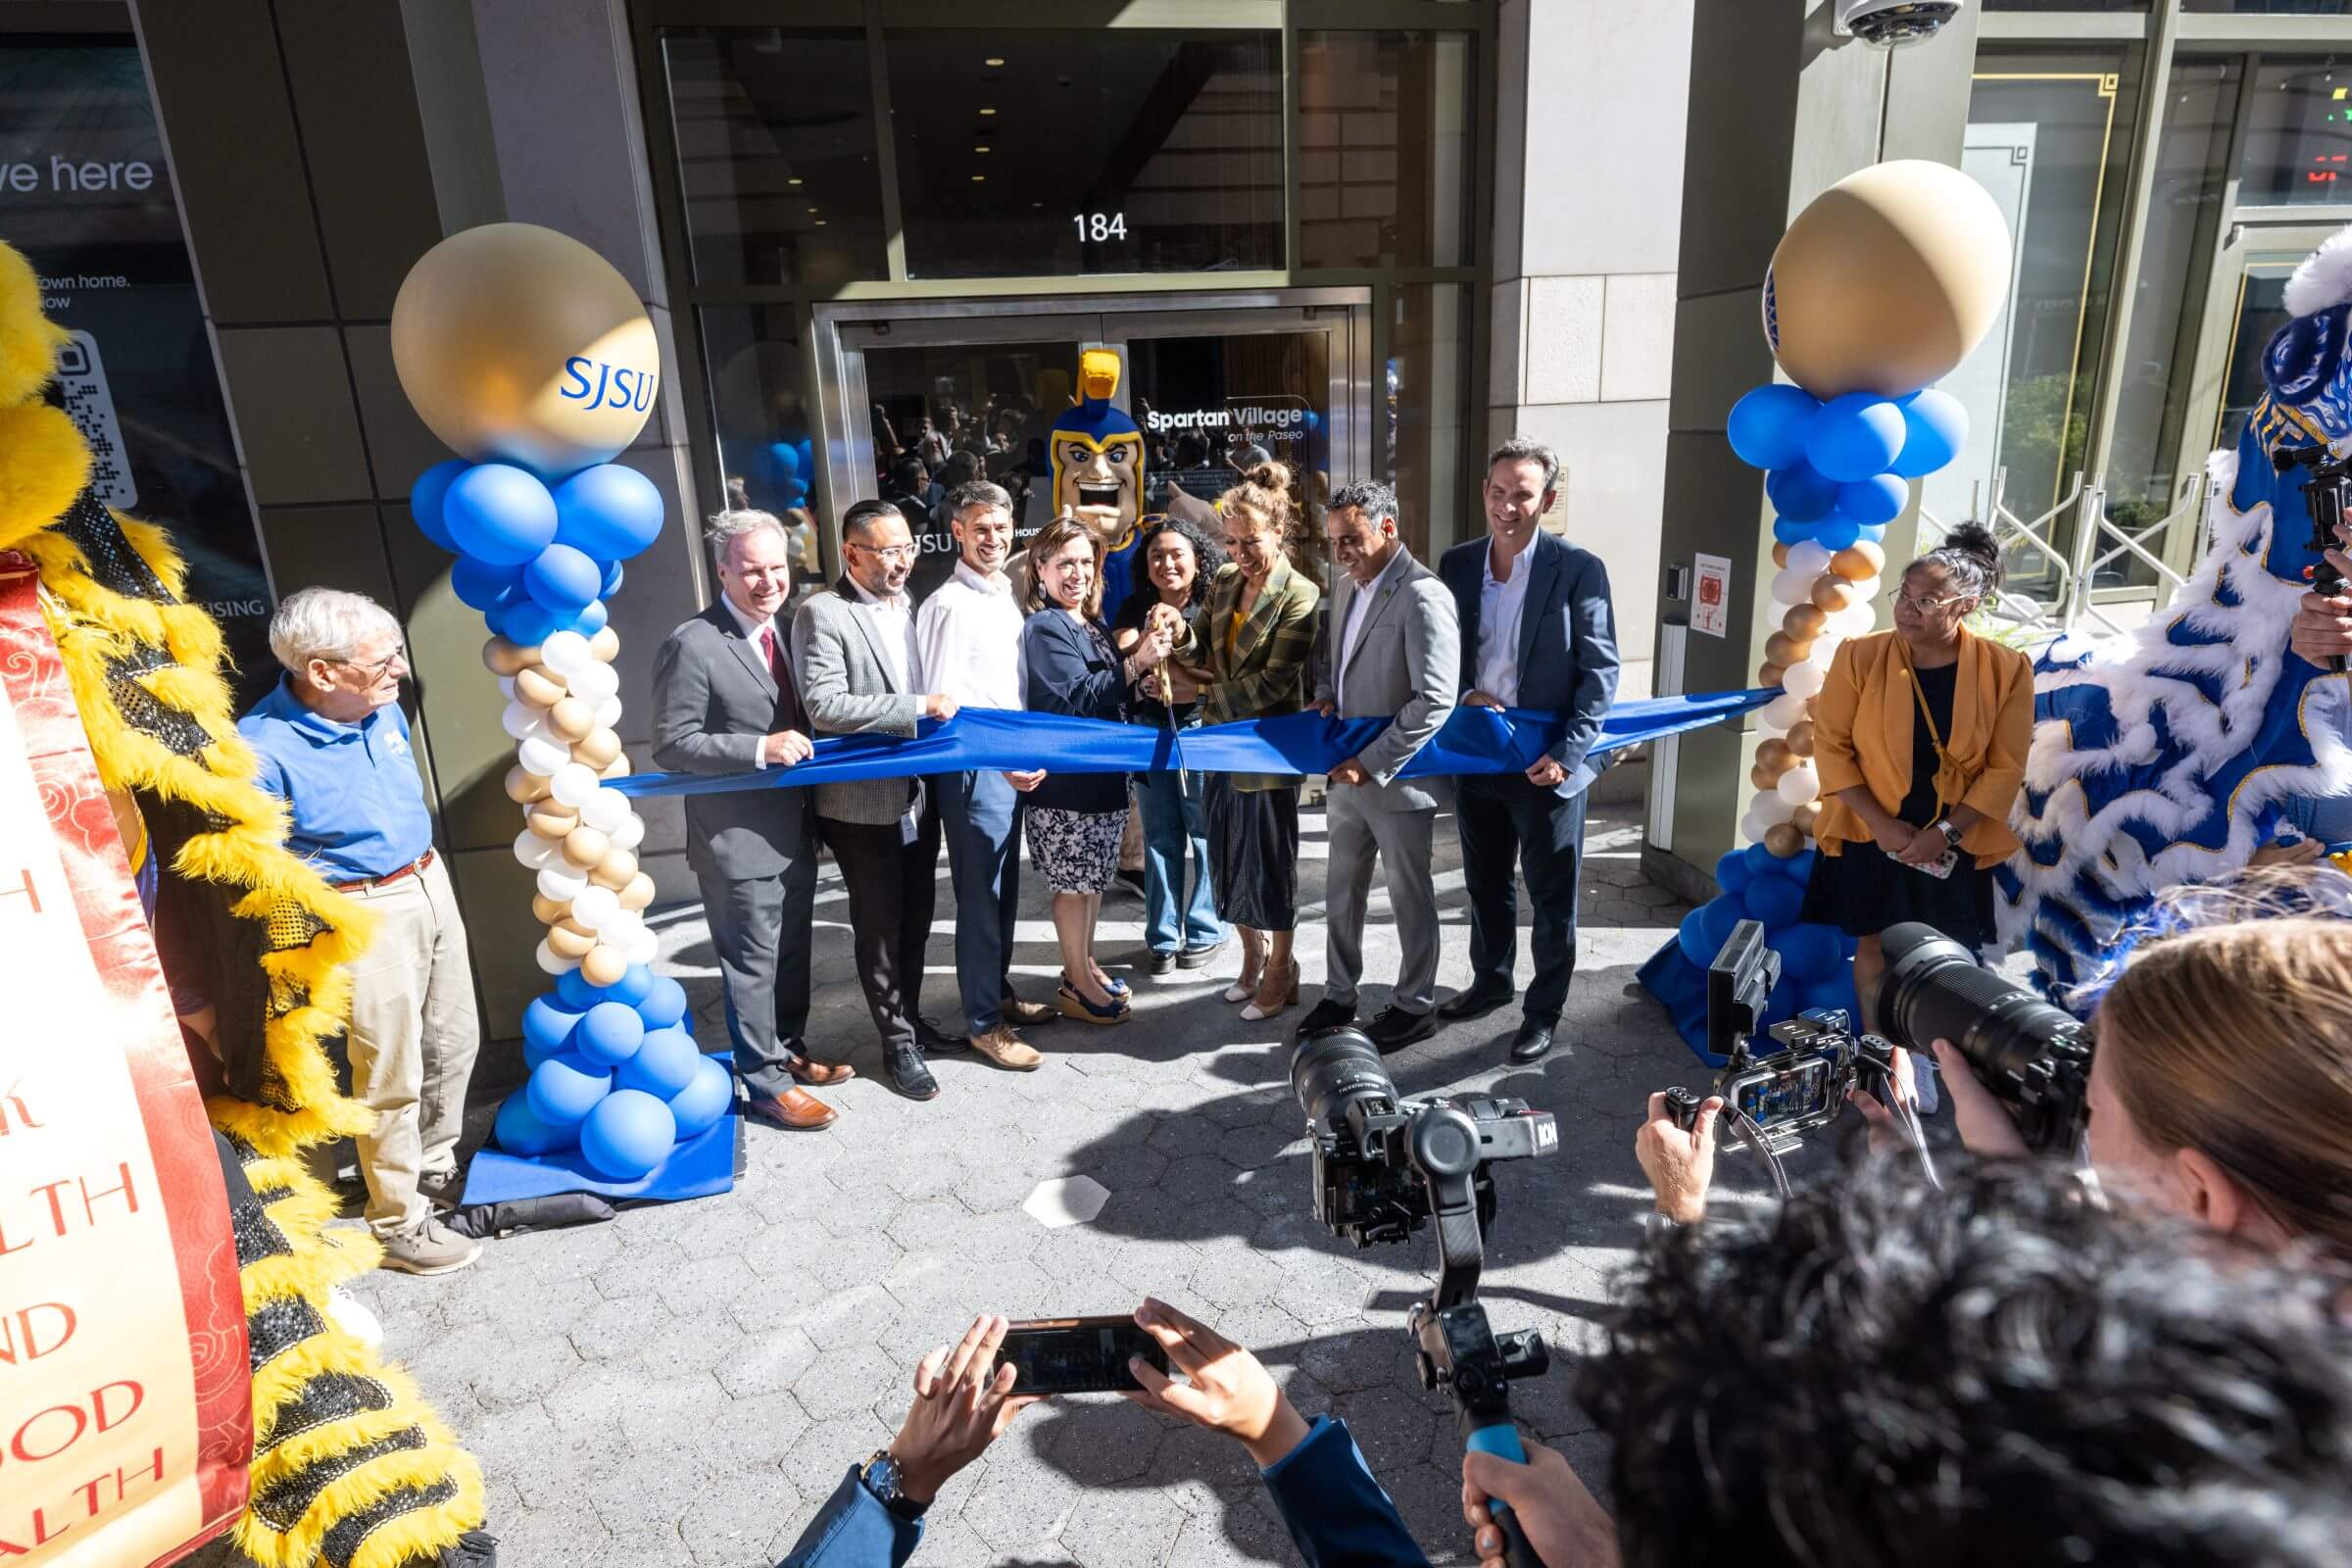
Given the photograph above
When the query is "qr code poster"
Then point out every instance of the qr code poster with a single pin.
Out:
(82, 393)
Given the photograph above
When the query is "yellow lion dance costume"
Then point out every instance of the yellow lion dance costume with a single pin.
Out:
(350, 1467)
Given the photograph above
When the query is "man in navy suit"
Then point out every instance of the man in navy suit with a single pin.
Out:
(1538, 632)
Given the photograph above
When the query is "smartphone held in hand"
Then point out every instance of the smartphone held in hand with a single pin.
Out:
(1938, 868)
(1077, 1354)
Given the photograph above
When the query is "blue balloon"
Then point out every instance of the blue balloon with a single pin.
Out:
(633, 987)
(527, 622)
(1798, 867)
(796, 491)
(1693, 938)
(1935, 429)
(610, 1033)
(1837, 533)
(1800, 493)
(612, 582)
(1795, 533)
(564, 580)
(610, 512)
(1809, 953)
(499, 513)
(427, 498)
(1720, 915)
(786, 457)
(1875, 534)
(708, 1097)
(1856, 436)
(665, 1004)
(1773, 899)
(1784, 1003)
(547, 1024)
(591, 619)
(628, 1134)
(1875, 501)
(1732, 874)
(1760, 860)
(520, 1130)
(1837, 992)
(563, 1089)
(481, 586)
(1769, 425)
(663, 1066)
(577, 991)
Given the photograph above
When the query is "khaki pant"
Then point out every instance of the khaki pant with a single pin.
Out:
(413, 1035)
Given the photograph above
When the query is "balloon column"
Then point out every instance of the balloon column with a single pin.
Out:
(525, 351)
(1888, 280)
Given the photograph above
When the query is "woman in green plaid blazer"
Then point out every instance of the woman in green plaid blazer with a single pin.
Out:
(1248, 648)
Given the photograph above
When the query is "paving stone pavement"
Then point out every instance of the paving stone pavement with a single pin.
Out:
(685, 1385)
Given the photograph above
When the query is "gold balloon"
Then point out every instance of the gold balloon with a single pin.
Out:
(1768, 673)
(1780, 553)
(1834, 594)
(1760, 777)
(597, 748)
(1806, 815)
(551, 820)
(518, 344)
(618, 767)
(639, 894)
(567, 939)
(1783, 649)
(523, 788)
(1804, 622)
(1801, 737)
(503, 658)
(603, 966)
(1888, 280)
(547, 911)
(583, 846)
(537, 688)
(1775, 757)
(615, 870)
(1858, 561)
(573, 719)
(605, 646)
(1782, 839)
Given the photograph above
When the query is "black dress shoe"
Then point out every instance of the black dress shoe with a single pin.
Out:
(1483, 998)
(1533, 1042)
(1326, 1014)
(1160, 962)
(937, 1040)
(1394, 1028)
(909, 1074)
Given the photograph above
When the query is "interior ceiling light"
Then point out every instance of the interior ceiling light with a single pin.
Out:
(979, 178)
(996, 59)
(794, 180)
(988, 110)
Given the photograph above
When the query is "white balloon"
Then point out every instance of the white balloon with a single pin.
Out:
(535, 852)
(593, 682)
(541, 757)
(645, 950)
(574, 784)
(1790, 586)
(592, 905)
(606, 809)
(1825, 649)
(559, 882)
(620, 928)
(1799, 786)
(1804, 678)
(565, 652)
(506, 687)
(1769, 809)
(1784, 711)
(553, 963)
(1858, 621)
(1868, 588)
(630, 833)
(1766, 730)
(1750, 829)
(607, 712)
(522, 722)
(1808, 558)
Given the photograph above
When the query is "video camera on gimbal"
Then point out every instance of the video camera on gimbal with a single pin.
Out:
(2325, 496)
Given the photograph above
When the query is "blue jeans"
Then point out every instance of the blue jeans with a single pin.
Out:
(980, 817)
(1172, 820)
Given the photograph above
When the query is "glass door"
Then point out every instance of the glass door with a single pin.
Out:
(2246, 306)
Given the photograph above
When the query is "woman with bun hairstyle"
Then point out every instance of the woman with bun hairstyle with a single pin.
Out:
(1920, 737)
(1248, 643)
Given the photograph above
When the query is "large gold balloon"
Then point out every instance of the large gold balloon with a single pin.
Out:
(1803, 622)
(1858, 561)
(519, 344)
(1888, 280)
(1783, 840)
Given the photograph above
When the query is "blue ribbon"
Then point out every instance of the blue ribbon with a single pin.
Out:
(1475, 740)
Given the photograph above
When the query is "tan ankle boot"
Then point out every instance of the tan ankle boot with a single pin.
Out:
(1277, 990)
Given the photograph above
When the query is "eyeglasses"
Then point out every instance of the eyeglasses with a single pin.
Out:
(380, 669)
(886, 552)
(1926, 606)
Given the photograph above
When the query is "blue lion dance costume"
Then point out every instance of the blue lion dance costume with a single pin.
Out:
(2166, 756)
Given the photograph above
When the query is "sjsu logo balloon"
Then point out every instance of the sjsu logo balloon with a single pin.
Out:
(586, 383)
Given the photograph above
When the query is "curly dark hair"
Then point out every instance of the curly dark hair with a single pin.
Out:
(2003, 1373)
(1207, 555)
(1971, 559)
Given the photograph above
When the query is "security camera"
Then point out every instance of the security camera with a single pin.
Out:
(1892, 24)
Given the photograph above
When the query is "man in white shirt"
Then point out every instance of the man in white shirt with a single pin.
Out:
(968, 646)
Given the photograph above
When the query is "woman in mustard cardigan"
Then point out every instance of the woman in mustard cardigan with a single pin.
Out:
(1919, 738)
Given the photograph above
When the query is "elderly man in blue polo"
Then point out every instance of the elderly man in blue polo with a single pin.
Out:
(334, 746)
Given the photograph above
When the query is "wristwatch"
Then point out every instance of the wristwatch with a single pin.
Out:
(1952, 834)
(881, 1476)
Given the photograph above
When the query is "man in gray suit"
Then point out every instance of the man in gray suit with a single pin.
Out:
(1392, 651)
(854, 648)
(724, 702)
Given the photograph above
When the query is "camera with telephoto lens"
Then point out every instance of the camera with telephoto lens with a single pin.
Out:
(1376, 1153)
(2033, 1058)
(2326, 495)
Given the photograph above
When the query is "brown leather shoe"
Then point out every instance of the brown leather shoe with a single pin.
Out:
(794, 1110)
(1028, 1014)
(1007, 1049)
(819, 1074)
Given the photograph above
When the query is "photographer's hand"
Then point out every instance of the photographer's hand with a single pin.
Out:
(1564, 1523)
(1886, 1133)
(1984, 1127)
(962, 1400)
(1226, 1389)
(1680, 1165)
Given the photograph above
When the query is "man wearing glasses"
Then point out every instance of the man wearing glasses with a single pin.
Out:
(854, 649)
(334, 746)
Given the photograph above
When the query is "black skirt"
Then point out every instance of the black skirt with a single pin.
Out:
(1253, 853)
(1863, 891)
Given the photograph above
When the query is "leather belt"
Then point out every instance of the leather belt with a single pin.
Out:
(389, 877)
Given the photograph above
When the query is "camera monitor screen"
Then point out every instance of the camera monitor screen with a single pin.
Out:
(1078, 1354)
(1785, 1095)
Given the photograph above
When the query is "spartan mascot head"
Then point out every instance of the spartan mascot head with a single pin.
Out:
(1097, 457)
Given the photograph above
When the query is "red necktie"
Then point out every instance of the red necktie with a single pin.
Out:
(767, 651)
(788, 700)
